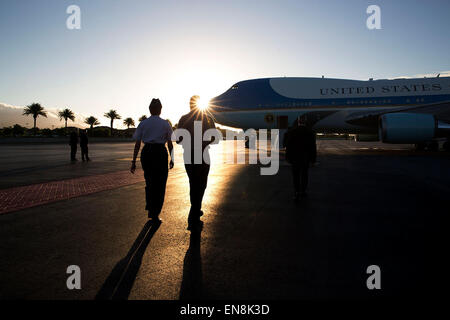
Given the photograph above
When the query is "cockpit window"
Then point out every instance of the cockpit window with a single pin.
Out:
(234, 87)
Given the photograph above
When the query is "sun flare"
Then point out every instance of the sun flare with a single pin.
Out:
(202, 104)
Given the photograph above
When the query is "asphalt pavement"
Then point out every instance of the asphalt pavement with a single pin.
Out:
(368, 204)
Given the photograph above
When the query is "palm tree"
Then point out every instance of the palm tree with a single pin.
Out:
(112, 114)
(128, 122)
(36, 110)
(66, 114)
(92, 121)
(142, 118)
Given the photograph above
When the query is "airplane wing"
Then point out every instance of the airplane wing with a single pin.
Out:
(369, 118)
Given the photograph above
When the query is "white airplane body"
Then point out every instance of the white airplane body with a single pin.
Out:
(400, 110)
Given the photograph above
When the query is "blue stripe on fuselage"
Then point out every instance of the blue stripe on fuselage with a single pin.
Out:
(258, 94)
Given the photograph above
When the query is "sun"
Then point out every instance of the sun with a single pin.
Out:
(202, 104)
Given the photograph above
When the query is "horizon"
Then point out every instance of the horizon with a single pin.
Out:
(124, 55)
(79, 119)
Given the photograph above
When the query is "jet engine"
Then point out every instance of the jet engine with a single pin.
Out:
(407, 127)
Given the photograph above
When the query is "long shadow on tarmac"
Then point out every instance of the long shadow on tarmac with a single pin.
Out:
(191, 285)
(362, 209)
(119, 283)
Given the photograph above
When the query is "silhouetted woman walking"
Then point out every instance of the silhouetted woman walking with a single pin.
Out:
(154, 132)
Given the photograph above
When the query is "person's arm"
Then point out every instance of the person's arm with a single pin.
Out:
(180, 126)
(137, 146)
(288, 147)
(170, 146)
(137, 136)
(285, 137)
(313, 148)
(207, 124)
(169, 143)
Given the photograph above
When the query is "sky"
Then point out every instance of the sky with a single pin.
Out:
(128, 52)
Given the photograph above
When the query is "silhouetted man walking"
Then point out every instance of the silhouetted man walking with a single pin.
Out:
(197, 171)
(73, 142)
(301, 151)
(84, 145)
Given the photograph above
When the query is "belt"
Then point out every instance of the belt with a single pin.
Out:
(154, 144)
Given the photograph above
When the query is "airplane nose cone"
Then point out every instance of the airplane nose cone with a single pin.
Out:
(212, 102)
(216, 103)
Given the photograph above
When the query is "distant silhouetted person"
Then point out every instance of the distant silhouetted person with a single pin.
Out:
(197, 172)
(84, 145)
(154, 132)
(73, 142)
(300, 152)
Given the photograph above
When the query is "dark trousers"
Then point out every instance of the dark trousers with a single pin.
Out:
(300, 175)
(84, 152)
(154, 162)
(73, 151)
(198, 179)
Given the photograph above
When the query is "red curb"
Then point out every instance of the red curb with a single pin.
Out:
(18, 198)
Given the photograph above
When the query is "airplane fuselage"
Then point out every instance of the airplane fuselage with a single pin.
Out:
(328, 103)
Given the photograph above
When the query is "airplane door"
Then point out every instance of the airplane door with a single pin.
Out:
(282, 122)
(282, 126)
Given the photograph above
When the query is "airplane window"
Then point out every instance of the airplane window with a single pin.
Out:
(234, 87)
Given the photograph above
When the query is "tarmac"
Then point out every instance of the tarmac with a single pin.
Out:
(368, 204)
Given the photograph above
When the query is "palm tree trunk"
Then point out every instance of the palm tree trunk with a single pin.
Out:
(112, 127)
(34, 127)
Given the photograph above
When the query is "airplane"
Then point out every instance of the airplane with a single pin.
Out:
(405, 110)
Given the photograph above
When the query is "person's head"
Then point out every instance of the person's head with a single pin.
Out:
(301, 120)
(155, 107)
(193, 102)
